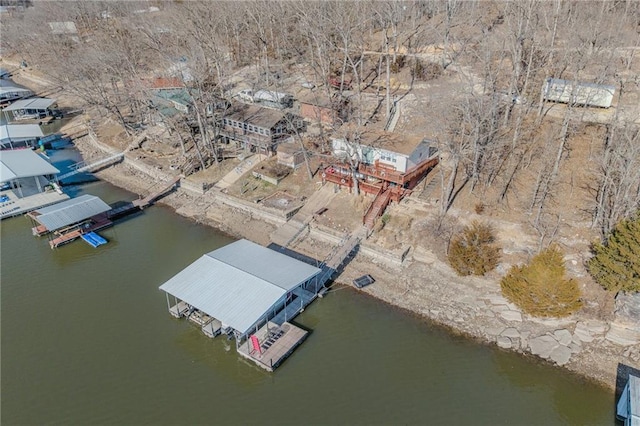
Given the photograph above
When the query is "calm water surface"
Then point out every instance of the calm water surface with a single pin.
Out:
(87, 339)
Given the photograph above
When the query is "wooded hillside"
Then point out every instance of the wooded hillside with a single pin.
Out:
(471, 73)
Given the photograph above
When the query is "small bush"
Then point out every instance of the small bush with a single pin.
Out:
(398, 64)
(616, 263)
(425, 71)
(540, 288)
(479, 208)
(474, 250)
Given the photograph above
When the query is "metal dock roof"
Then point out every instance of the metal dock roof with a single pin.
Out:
(628, 407)
(21, 163)
(32, 103)
(20, 131)
(239, 283)
(69, 212)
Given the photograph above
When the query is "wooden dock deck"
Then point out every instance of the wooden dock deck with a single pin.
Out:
(276, 344)
(99, 223)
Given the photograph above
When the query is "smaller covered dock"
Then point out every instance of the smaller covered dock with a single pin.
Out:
(71, 219)
(27, 181)
(10, 92)
(19, 135)
(248, 292)
(32, 108)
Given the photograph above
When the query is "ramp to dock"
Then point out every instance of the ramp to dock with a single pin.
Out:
(157, 193)
(344, 249)
(80, 167)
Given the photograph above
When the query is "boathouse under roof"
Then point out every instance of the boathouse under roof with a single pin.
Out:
(31, 104)
(11, 134)
(240, 283)
(69, 212)
(23, 163)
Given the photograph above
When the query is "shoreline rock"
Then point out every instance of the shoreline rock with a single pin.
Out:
(429, 290)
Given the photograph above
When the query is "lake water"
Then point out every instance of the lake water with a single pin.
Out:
(87, 339)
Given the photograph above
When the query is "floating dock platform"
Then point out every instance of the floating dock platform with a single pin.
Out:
(272, 344)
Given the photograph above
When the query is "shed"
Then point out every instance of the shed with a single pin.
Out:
(69, 212)
(67, 27)
(578, 93)
(19, 134)
(241, 284)
(290, 154)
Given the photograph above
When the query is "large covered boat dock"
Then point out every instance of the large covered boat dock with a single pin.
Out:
(250, 293)
(28, 182)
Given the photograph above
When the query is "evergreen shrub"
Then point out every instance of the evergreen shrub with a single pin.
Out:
(540, 288)
(474, 250)
(616, 263)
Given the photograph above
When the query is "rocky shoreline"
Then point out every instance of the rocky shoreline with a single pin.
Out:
(420, 284)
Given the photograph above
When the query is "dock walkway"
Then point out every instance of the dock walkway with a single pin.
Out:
(342, 251)
(81, 167)
(157, 193)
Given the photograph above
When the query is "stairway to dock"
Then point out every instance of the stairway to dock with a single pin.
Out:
(290, 231)
(157, 193)
(337, 257)
(376, 208)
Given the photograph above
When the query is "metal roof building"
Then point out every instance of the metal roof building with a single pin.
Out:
(10, 92)
(628, 407)
(579, 93)
(69, 212)
(240, 284)
(31, 104)
(23, 163)
(11, 134)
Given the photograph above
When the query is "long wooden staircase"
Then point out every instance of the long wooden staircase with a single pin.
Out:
(376, 208)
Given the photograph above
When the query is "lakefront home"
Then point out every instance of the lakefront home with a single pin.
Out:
(259, 129)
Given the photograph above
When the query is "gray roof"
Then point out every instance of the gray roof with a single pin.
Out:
(634, 396)
(69, 212)
(68, 27)
(15, 132)
(239, 283)
(7, 88)
(567, 91)
(258, 116)
(32, 103)
(21, 163)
